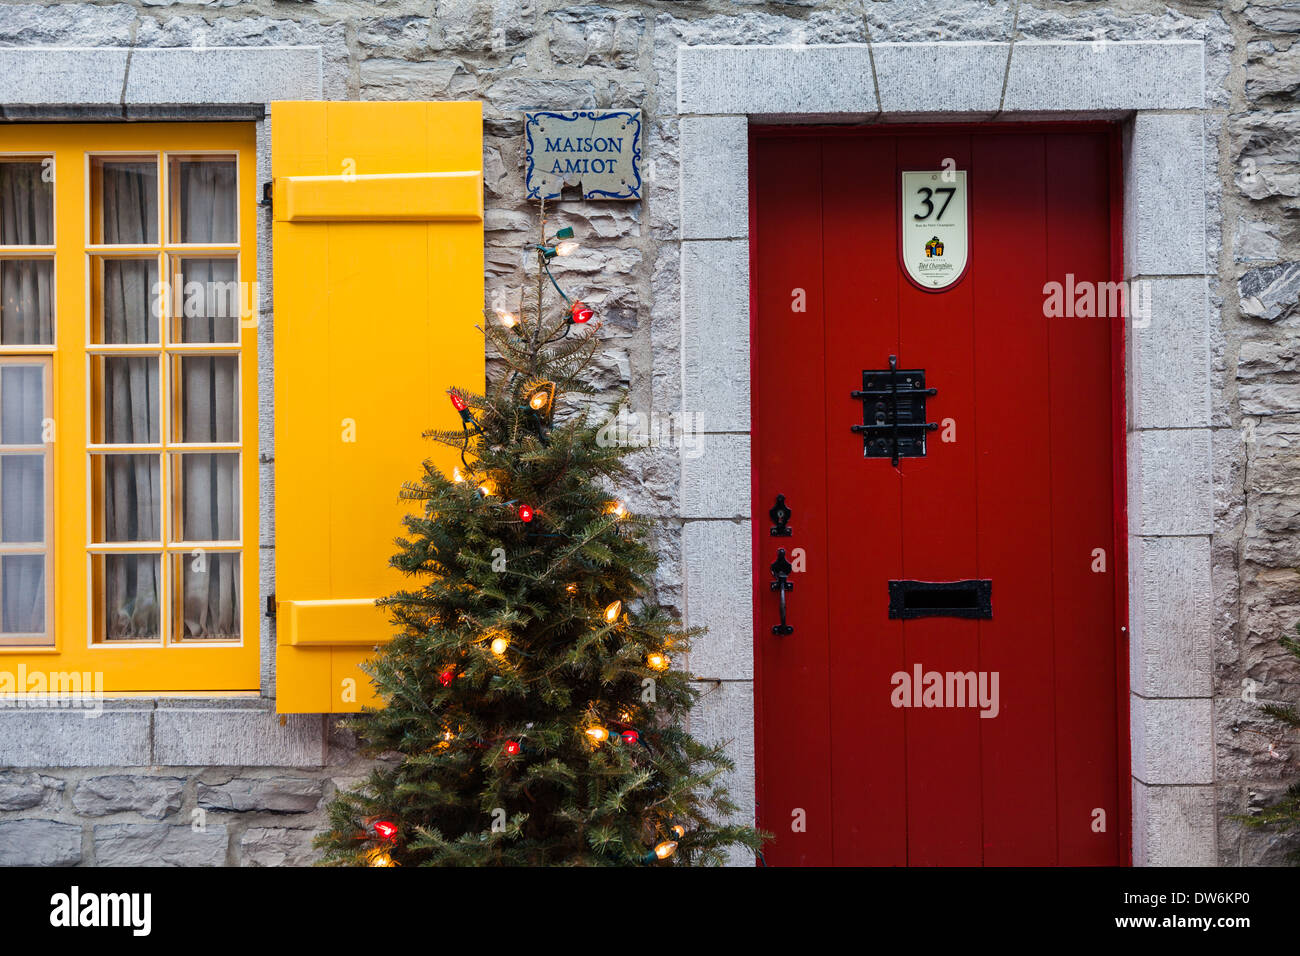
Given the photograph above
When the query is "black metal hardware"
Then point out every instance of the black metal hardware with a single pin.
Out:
(780, 514)
(270, 605)
(781, 569)
(893, 412)
(966, 599)
(266, 195)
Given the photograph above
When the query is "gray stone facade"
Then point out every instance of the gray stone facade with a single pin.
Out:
(223, 782)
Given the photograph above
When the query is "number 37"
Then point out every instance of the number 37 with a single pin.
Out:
(925, 193)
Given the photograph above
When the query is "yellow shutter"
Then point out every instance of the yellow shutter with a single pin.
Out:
(378, 271)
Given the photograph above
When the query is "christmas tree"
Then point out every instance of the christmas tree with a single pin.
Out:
(532, 710)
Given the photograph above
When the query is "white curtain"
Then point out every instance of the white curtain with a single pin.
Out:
(206, 390)
(26, 318)
(132, 484)
(22, 498)
(210, 402)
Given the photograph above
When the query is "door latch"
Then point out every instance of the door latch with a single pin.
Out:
(781, 569)
(780, 514)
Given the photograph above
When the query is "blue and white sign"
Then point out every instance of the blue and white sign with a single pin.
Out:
(600, 150)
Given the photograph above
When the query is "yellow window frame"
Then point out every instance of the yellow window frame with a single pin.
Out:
(171, 665)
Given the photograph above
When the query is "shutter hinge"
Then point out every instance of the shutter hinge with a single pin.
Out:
(270, 604)
(266, 195)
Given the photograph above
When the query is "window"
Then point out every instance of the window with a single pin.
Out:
(128, 450)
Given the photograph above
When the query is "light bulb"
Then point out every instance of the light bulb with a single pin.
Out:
(678, 829)
(381, 859)
(538, 401)
(508, 319)
(598, 734)
(525, 513)
(666, 849)
(566, 248)
(512, 747)
(616, 509)
(488, 488)
(499, 646)
(456, 474)
(571, 588)
(612, 611)
(386, 830)
(658, 662)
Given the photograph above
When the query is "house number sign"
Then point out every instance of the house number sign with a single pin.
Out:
(935, 236)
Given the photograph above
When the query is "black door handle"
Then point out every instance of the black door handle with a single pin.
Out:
(781, 569)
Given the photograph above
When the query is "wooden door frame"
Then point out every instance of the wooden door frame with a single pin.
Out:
(1161, 386)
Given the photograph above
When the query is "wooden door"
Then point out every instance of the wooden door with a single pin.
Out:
(978, 723)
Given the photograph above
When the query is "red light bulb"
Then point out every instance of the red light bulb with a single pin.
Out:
(457, 402)
(512, 747)
(630, 736)
(525, 513)
(386, 830)
(581, 313)
(445, 678)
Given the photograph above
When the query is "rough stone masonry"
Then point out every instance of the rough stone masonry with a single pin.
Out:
(522, 54)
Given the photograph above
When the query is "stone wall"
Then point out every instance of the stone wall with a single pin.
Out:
(171, 816)
(518, 54)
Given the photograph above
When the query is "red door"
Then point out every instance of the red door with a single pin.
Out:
(980, 722)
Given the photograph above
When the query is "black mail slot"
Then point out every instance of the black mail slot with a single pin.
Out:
(968, 599)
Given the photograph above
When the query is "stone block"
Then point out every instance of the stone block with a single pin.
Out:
(85, 77)
(1172, 740)
(940, 78)
(39, 843)
(151, 844)
(224, 74)
(250, 737)
(22, 791)
(1169, 482)
(277, 846)
(1173, 826)
(118, 736)
(153, 797)
(714, 177)
(776, 80)
(1164, 201)
(271, 794)
(1171, 611)
(719, 596)
(715, 333)
(715, 477)
(1072, 76)
(725, 714)
(1169, 354)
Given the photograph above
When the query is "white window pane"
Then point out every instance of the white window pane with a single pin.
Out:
(130, 487)
(22, 584)
(128, 395)
(127, 303)
(128, 201)
(22, 404)
(26, 301)
(202, 191)
(208, 496)
(128, 588)
(209, 398)
(22, 499)
(26, 202)
(208, 598)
